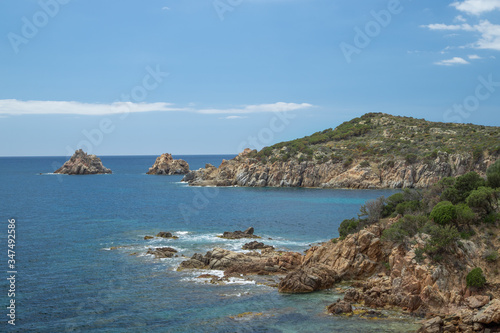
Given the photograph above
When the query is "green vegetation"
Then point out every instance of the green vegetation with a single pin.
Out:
(382, 140)
(446, 212)
(475, 278)
(493, 175)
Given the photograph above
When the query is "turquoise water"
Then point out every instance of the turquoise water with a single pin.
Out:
(70, 280)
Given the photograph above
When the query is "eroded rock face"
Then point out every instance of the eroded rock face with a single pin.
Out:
(256, 246)
(489, 314)
(82, 164)
(166, 165)
(246, 171)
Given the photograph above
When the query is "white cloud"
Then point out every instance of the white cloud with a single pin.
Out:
(474, 57)
(459, 18)
(452, 61)
(490, 33)
(276, 107)
(18, 107)
(165, 8)
(476, 7)
(233, 117)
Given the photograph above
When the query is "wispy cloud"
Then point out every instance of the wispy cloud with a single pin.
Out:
(259, 108)
(490, 33)
(474, 57)
(476, 7)
(452, 61)
(234, 117)
(18, 107)
(165, 8)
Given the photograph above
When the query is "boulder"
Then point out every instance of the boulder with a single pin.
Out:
(489, 314)
(431, 326)
(82, 164)
(339, 307)
(164, 234)
(477, 301)
(166, 165)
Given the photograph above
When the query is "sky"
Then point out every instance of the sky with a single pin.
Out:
(216, 76)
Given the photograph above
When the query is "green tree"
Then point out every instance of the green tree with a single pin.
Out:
(493, 175)
(444, 213)
(465, 215)
(467, 183)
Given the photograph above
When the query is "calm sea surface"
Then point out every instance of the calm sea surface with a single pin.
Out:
(70, 280)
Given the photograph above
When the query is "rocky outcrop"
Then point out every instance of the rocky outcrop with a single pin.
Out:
(166, 165)
(239, 234)
(82, 164)
(256, 246)
(339, 307)
(235, 263)
(162, 252)
(246, 171)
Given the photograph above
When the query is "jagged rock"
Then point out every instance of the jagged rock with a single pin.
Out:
(489, 314)
(82, 164)
(256, 246)
(432, 325)
(148, 237)
(339, 307)
(162, 252)
(166, 165)
(477, 301)
(244, 263)
(239, 234)
(164, 234)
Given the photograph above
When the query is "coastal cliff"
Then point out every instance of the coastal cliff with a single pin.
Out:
(82, 164)
(371, 152)
(166, 165)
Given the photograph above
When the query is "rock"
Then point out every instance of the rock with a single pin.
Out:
(256, 246)
(164, 234)
(489, 314)
(82, 164)
(339, 307)
(166, 165)
(432, 325)
(148, 237)
(162, 252)
(477, 301)
(235, 263)
(239, 234)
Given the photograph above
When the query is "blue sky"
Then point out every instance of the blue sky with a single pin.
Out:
(207, 77)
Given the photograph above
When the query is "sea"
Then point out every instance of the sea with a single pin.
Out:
(80, 262)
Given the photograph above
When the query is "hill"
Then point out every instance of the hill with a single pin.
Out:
(373, 151)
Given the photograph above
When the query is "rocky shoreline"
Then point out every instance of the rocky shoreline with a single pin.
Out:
(166, 165)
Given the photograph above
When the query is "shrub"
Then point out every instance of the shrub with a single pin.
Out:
(348, 226)
(475, 278)
(411, 158)
(465, 184)
(493, 174)
(419, 255)
(465, 215)
(408, 226)
(483, 200)
(443, 238)
(391, 203)
(372, 210)
(364, 164)
(347, 162)
(408, 207)
(444, 213)
(491, 256)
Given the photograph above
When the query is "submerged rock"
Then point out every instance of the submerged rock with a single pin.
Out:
(82, 164)
(166, 165)
(339, 307)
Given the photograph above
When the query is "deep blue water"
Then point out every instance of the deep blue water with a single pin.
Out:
(69, 280)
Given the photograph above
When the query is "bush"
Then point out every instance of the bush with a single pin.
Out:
(491, 256)
(373, 210)
(475, 278)
(467, 183)
(411, 158)
(444, 213)
(348, 227)
(493, 174)
(364, 164)
(465, 215)
(391, 203)
(419, 255)
(408, 207)
(443, 238)
(483, 200)
(408, 226)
